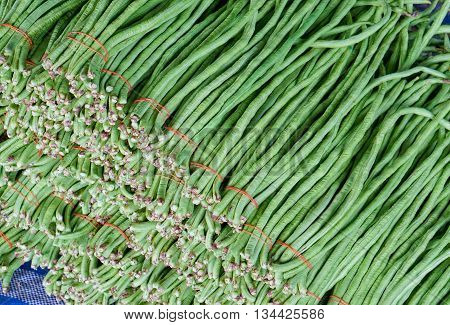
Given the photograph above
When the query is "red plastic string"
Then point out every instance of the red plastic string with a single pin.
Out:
(23, 195)
(6, 239)
(36, 141)
(154, 104)
(120, 76)
(63, 199)
(296, 253)
(21, 32)
(124, 235)
(312, 294)
(88, 47)
(182, 136)
(85, 217)
(339, 299)
(253, 235)
(29, 190)
(309, 293)
(106, 56)
(106, 224)
(79, 148)
(243, 193)
(173, 178)
(262, 233)
(196, 164)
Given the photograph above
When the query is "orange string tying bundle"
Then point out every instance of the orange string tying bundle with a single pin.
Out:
(87, 218)
(122, 233)
(6, 239)
(254, 236)
(88, 47)
(125, 80)
(173, 178)
(215, 172)
(238, 190)
(79, 148)
(154, 105)
(262, 233)
(40, 152)
(95, 223)
(303, 259)
(182, 136)
(296, 253)
(339, 299)
(30, 63)
(312, 294)
(21, 32)
(29, 190)
(63, 199)
(36, 141)
(24, 196)
(270, 245)
(104, 57)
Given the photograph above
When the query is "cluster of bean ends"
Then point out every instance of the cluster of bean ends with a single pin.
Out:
(227, 152)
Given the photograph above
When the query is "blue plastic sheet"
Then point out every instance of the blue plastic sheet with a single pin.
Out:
(27, 289)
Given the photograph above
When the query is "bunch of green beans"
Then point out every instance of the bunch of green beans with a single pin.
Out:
(232, 152)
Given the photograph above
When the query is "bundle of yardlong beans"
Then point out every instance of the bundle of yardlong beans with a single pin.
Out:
(227, 152)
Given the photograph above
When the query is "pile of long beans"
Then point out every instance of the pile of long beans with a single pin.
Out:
(231, 152)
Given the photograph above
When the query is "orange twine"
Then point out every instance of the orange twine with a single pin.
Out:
(303, 259)
(29, 190)
(173, 178)
(106, 224)
(6, 239)
(63, 199)
(339, 299)
(88, 47)
(154, 104)
(122, 233)
(182, 136)
(243, 193)
(296, 253)
(253, 235)
(21, 32)
(79, 148)
(196, 164)
(30, 63)
(262, 233)
(312, 294)
(130, 87)
(104, 57)
(23, 195)
(87, 218)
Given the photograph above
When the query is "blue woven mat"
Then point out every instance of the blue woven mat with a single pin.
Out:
(26, 289)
